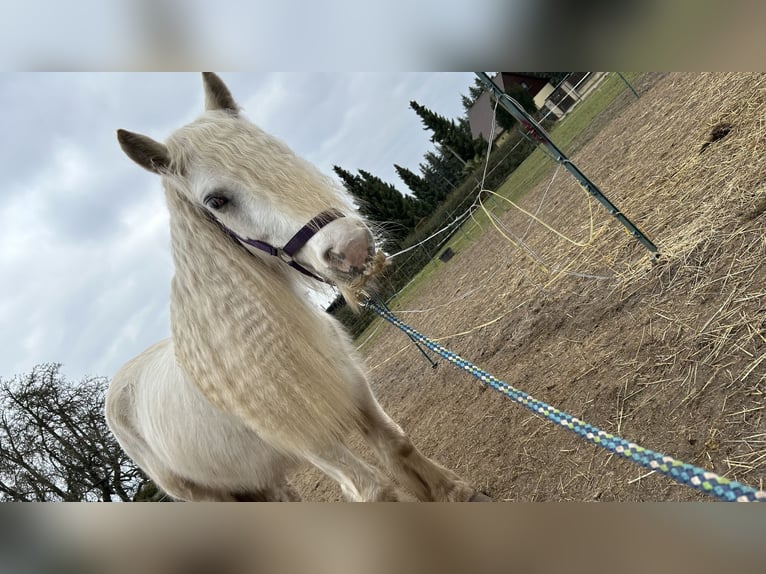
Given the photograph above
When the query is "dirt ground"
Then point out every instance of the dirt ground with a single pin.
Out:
(671, 355)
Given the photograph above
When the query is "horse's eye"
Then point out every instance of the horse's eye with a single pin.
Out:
(215, 201)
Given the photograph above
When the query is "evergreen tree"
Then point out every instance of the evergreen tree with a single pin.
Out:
(553, 77)
(522, 95)
(382, 203)
(392, 207)
(439, 125)
(474, 92)
(442, 173)
(467, 103)
(504, 118)
(351, 182)
(477, 89)
(426, 195)
(456, 136)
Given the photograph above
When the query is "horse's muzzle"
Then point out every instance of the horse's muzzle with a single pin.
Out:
(352, 257)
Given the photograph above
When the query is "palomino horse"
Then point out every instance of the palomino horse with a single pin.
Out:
(256, 379)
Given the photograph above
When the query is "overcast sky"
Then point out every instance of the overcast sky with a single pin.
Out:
(84, 241)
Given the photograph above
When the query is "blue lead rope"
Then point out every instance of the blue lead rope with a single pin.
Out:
(690, 475)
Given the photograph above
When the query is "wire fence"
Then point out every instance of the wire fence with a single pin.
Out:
(423, 245)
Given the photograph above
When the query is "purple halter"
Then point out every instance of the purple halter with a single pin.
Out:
(296, 242)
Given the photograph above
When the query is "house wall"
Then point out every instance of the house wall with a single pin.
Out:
(560, 101)
(481, 114)
(480, 117)
(546, 97)
(542, 95)
(531, 84)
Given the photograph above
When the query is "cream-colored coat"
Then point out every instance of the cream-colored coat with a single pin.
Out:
(255, 379)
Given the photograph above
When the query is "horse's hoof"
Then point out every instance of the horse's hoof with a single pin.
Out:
(480, 497)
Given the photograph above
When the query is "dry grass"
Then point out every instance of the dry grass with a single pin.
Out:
(688, 332)
(671, 355)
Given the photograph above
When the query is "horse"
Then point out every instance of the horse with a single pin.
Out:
(256, 380)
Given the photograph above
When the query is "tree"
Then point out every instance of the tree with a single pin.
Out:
(55, 444)
(390, 205)
(442, 172)
(518, 93)
(504, 118)
(443, 167)
(467, 103)
(421, 189)
(382, 203)
(352, 183)
(438, 124)
(474, 92)
(553, 77)
(454, 136)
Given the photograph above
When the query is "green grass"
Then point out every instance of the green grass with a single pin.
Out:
(538, 164)
(564, 134)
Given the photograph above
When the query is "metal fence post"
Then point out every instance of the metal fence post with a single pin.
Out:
(538, 134)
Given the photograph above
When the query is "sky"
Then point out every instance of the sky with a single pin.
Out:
(84, 239)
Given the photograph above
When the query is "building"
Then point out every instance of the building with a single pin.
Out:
(552, 101)
(558, 101)
(481, 113)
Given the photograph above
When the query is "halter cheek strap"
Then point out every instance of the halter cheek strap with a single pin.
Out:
(308, 231)
(296, 242)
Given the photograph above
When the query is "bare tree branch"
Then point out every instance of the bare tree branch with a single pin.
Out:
(55, 443)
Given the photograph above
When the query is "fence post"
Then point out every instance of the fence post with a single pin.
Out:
(538, 134)
(627, 83)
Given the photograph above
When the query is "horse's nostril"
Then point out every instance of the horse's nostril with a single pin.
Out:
(334, 258)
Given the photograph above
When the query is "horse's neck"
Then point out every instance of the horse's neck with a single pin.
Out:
(244, 337)
(209, 264)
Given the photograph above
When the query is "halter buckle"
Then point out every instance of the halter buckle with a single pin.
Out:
(280, 253)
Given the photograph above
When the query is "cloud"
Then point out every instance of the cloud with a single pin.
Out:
(84, 240)
(356, 120)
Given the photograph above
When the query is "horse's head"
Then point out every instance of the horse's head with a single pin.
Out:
(259, 189)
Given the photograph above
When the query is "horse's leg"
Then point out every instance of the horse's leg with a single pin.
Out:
(287, 493)
(183, 489)
(189, 491)
(358, 481)
(427, 479)
(279, 493)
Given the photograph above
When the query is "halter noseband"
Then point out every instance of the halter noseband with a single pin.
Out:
(296, 242)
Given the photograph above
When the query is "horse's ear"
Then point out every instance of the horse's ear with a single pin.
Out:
(217, 95)
(143, 150)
